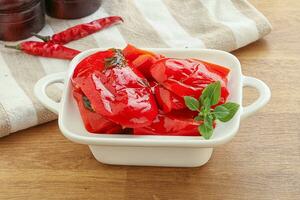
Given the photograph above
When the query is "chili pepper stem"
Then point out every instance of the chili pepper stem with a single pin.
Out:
(17, 47)
(42, 37)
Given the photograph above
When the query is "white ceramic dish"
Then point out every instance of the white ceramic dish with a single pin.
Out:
(175, 151)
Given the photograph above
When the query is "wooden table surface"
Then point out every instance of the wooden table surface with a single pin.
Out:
(262, 161)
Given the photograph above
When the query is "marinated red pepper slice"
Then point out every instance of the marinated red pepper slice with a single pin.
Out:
(171, 124)
(90, 64)
(168, 100)
(117, 91)
(165, 99)
(93, 122)
(222, 71)
(131, 53)
(186, 77)
(141, 59)
(153, 85)
(143, 64)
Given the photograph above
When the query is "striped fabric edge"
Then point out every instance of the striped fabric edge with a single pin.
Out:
(244, 30)
(165, 25)
(214, 34)
(135, 30)
(5, 126)
(263, 25)
(20, 110)
(27, 70)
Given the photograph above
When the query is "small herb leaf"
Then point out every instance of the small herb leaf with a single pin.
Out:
(117, 60)
(206, 114)
(208, 119)
(226, 111)
(87, 103)
(212, 92)
(206, 104)
(205, 130)
(191, 103)
(198, 118)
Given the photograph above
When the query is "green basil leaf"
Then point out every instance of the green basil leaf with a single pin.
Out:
(208, 119)
(117, 60)
(212, 92)
(87, 103)
(198, 118)
(191, 103)
(205, 130)
(225, 112)
(206, 105)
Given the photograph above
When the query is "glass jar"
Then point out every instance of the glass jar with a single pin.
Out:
(20, 18)
(71, 9)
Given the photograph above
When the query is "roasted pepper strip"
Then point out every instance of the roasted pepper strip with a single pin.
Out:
(171, 124)
(140, 59)
(131, 53)
(187, 77)
(117, 91)
(222, 71)
(167, 100)
(93, 122)
(143, 64)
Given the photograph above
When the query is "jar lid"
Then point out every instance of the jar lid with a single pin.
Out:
(70, 1)
(10, 6)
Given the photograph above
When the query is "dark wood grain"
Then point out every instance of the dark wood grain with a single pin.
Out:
(262, 161)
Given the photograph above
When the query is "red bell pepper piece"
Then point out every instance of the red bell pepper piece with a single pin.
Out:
(153, 85)
(187, 77)
(117, 91)
(131, 53)
(143, 64)
(222, 71)
(171, 124)
(93, 122)
(165, 99)
(141, 59)
(90, 64)
(168, 100)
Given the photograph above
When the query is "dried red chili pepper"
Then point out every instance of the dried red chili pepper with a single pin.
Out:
(46, 49)
(116, 91)
(81, 30)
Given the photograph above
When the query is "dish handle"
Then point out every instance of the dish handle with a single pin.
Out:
(261, 101)
(40, 90)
